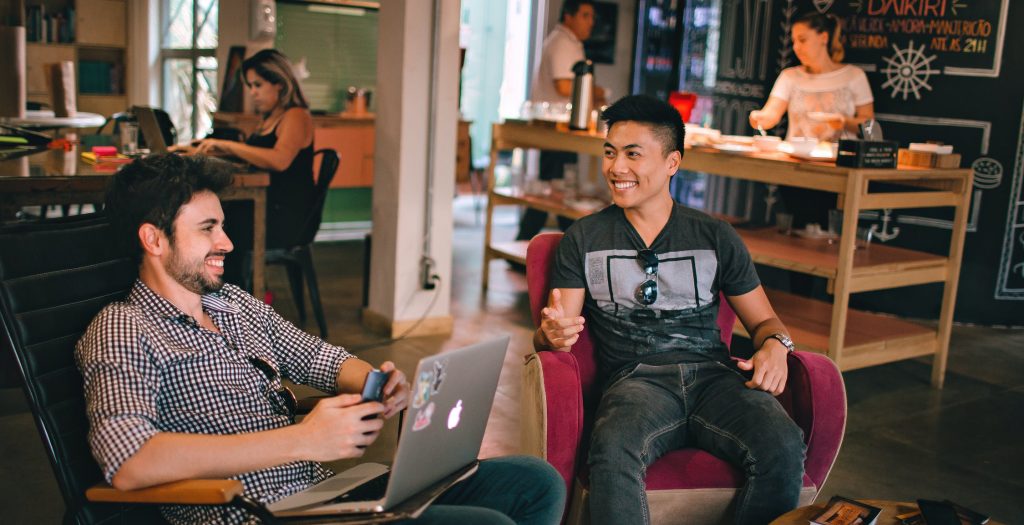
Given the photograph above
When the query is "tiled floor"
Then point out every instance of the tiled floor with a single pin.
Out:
(904, 440)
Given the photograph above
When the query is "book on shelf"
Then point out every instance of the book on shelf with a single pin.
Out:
(845, 511)
(55, 26)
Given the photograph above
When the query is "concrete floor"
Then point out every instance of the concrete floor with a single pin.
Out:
(904, 440)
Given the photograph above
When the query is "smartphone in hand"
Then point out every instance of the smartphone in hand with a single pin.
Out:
(373, 389)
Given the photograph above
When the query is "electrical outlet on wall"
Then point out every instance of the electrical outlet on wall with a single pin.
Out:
(264, 19)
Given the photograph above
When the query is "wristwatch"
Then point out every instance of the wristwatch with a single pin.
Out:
(784, 339)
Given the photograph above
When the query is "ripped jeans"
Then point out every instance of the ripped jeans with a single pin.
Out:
(655, 409)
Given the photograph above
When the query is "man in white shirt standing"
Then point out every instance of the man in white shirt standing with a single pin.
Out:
(552, 83)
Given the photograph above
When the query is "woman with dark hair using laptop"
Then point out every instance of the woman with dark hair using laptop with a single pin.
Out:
(282, 144)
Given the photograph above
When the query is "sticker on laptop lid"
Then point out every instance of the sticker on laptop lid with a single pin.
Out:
(440, 374)
(423, 386)
(423, 417)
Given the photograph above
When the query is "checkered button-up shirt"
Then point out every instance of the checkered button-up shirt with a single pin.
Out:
(148, 368)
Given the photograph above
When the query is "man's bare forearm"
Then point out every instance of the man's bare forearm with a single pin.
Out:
(352, 375)
(772, 325)
(169, 456)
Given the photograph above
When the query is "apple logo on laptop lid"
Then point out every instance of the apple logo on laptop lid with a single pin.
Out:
(454, 415)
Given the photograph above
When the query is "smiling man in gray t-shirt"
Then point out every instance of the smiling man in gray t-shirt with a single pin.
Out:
(648, 273)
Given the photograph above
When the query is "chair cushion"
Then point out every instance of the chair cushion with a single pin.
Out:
(703, 471)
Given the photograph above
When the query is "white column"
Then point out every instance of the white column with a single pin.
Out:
(410, 58)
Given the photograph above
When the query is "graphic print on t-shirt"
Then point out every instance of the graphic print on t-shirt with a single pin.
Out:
(684, 280)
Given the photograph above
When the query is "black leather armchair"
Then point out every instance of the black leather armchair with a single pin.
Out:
(55, 276)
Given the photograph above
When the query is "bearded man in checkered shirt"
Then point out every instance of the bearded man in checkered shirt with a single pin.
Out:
(183, 377)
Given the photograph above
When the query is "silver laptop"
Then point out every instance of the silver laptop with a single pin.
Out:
(441, 433)
(150, 128)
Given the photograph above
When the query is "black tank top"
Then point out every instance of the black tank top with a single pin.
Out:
(290, 195)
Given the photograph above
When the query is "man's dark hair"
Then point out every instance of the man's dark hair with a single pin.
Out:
(571, 7)
(153, 189)
(663, 119)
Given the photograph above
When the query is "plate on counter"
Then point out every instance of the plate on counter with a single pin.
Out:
(815, 155)
(818, 234)
(736, 139)
(729, 147)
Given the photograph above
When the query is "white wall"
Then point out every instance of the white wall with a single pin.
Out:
(408, 146)
(233, 25)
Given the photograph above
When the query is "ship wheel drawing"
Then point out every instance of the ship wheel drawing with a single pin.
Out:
(908, 71)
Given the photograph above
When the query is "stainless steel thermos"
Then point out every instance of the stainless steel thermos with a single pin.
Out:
(582, 94)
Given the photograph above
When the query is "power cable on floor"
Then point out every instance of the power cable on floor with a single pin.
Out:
(437, 293)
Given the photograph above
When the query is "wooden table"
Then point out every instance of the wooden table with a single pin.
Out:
(61, 177)
(890, 509)
(851, 338)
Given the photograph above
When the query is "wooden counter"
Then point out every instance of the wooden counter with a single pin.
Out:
(852, 339)
(61, 177)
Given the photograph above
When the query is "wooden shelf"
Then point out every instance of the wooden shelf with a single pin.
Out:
(871, 339)
(512, 251)
(553, 203)
(875, 267)
(100, 36)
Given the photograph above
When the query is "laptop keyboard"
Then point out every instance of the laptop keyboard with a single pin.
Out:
(373, 489)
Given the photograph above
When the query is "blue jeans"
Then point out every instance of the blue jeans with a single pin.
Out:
(507, 490)
(655, 409)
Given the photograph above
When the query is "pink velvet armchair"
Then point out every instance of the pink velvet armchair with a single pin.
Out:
(684, 486)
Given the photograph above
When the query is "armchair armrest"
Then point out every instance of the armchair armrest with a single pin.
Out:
(552, 417)
(817, 398)
(188, 492)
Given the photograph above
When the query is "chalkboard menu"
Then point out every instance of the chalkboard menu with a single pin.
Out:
(939, 70)
(910, 41)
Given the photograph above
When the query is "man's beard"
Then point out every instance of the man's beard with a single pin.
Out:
(194, 280)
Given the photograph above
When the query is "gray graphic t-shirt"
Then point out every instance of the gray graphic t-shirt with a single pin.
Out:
(698, 256)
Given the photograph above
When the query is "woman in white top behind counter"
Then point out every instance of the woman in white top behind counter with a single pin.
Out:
(825, 98)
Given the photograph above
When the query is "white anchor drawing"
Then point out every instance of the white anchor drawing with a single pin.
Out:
(884, 235)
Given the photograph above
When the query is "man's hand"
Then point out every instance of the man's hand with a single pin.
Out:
(769, 366)
(396, 391)
(556, 331)
(336, 428)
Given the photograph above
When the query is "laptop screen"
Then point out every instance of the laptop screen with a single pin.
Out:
(150, 128)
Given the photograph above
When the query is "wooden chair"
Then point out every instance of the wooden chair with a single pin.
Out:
(688, 486)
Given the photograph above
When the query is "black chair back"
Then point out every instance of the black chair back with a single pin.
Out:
(55, 276)
(328, 167)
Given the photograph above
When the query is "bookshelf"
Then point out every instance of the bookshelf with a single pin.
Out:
(89, 33)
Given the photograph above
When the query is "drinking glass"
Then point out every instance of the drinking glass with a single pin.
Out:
(835, 222)
(784, 223)
(569, 175)
(129, 138)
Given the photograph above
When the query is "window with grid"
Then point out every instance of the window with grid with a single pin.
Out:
(189, 64)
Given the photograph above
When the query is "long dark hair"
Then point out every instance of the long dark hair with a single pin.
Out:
(829, 24)
(274, 67)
